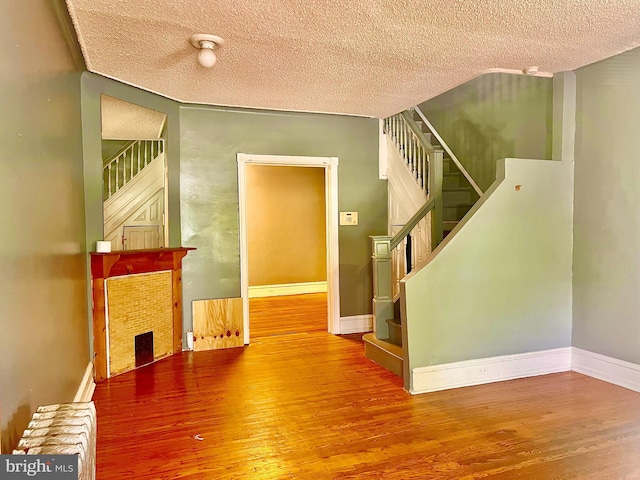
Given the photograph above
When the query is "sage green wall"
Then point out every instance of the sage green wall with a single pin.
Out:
(111, 147)
(93, 86)
(606, 258)
(210, 140)
(43, 329)
(502, 284)
(497, 115)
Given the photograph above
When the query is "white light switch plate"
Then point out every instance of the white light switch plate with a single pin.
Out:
(348, 218)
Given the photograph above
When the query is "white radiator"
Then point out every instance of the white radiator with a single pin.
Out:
(63, 429)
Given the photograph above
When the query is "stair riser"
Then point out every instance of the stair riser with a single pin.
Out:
(452, 181)
(454, 213)
(395, 333)
(448, 166)
(456, 196)
(384, 359)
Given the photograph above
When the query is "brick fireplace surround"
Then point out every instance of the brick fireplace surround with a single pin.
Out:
(143, 294)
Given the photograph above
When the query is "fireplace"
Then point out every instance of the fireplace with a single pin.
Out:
(138, 304)
(136, 293)
(144, 349)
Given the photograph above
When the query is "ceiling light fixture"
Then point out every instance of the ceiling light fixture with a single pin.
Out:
(207, 44)
(531, 70)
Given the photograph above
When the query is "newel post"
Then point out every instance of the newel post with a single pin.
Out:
(382, 284)
(436, 173)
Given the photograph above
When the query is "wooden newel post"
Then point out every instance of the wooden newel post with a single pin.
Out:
(382, 285)
(435, 192)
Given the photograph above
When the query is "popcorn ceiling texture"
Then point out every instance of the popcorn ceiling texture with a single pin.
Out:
(126, 121)
(359, 57)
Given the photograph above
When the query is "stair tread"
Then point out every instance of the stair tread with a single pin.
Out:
(383, 344)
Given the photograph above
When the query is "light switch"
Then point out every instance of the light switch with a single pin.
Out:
(348, 218)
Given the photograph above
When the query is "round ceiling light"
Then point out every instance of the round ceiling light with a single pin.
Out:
(207, 45)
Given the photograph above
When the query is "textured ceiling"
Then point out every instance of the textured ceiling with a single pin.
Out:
(359, 57)
(125, 121)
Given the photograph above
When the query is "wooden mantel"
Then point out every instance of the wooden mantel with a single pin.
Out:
(128, 262)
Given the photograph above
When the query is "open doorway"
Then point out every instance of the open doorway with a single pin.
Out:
(286, 236)
(266, 274)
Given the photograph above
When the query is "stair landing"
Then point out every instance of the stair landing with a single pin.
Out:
(383, 353)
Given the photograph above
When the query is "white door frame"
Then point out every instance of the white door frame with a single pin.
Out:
(330, 165)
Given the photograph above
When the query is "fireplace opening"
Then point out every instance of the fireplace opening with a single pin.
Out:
(144, 349)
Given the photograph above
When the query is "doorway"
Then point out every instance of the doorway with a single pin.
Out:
(329, 166)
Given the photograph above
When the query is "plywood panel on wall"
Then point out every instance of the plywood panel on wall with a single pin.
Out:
(217, 324)
(286, 224)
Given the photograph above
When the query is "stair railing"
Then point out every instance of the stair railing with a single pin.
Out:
(122, 167)
(395, 256)
(446, 148)
(412, 145)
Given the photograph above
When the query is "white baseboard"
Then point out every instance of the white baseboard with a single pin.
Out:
(287, 289)
(356, 324)
(492, 369)
(87, 386)
(609, 369)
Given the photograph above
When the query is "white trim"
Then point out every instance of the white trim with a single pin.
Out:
(330, 165)
(609, 369)
(356, 324)
(276, 290)
(491, 369)
(87, 386)
(383, 153)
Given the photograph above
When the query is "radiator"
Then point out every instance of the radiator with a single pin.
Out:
(63, 429)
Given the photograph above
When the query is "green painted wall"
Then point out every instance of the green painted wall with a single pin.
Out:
(606, 221)
(44, 338)
(502, 284)
(111, 147)
(92, 87)
(210, 140)
(497, 115)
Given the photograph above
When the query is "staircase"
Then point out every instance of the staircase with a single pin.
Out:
(133, 194)
(450, 192)
(458, 193)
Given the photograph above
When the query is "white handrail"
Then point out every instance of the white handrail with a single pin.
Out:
(448, 150)
(137, 154)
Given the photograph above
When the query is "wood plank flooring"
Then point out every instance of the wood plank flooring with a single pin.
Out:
(288, 314)
(308, 405)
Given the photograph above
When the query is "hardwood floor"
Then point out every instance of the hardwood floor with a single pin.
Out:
(287, 314)
(308, 405)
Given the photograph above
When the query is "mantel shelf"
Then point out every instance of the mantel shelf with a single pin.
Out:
(128, 262)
